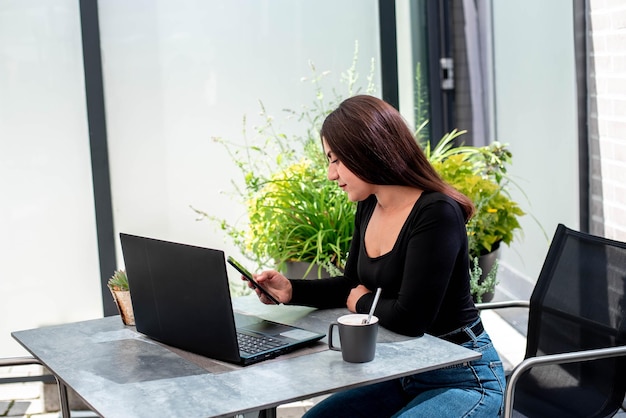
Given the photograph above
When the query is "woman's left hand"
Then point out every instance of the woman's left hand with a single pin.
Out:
(355, 295)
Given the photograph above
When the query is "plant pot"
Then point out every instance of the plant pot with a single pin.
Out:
(124, 305)
(298, 270)
(486, 262)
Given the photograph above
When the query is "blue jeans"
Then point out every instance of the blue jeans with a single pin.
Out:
(472, 389)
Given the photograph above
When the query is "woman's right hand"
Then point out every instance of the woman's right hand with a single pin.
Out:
(276, 284)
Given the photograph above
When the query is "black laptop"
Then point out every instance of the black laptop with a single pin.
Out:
(181, 297)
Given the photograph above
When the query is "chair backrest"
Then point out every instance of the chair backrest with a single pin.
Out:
(577, 304)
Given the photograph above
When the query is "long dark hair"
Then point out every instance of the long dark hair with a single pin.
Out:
(374, 142)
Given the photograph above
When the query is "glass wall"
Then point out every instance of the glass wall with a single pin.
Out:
(413, 64)
(535, 93)
(176, 74)
(48, 248)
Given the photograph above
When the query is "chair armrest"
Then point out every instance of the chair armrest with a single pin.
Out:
(572, 357)
(24, 361)
(18, 361)
(504, 304)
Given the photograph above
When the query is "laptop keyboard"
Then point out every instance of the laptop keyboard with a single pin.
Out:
(255, 344)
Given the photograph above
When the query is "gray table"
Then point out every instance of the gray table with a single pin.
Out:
(120, 373)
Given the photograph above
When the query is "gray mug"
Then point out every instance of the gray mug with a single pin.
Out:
(358, 340)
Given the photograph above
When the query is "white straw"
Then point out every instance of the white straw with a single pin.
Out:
(369, 317)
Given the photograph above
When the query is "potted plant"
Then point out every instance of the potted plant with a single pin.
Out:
(482, 284)
(480, 173)
(118, 285)
(294, 213)
(300, 216)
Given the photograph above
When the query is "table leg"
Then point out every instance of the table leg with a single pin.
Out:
(63, 400)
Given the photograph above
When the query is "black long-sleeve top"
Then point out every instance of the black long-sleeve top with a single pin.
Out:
(424, 278)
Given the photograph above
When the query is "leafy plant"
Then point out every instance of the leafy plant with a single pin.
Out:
(118, 281)
(478, 286)
(303, 216)
(480, 174)
(294, 213)
(421, 110)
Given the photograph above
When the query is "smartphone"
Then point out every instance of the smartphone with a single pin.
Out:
(241, 269)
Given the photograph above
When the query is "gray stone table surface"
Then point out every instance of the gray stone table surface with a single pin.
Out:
(121, 373)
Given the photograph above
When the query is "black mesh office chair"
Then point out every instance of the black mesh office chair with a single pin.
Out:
(574, 364)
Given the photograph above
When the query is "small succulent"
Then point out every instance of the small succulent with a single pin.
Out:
(118, 281)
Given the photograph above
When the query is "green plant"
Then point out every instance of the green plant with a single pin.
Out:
(301, 217)
(478, 286)
(294, 213)
(118, 281)
(481, 174)
(421, 109)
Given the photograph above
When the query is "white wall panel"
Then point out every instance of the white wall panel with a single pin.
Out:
(48, 253)
(178, 73)
(535, 90)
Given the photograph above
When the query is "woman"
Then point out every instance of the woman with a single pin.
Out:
(410, 240)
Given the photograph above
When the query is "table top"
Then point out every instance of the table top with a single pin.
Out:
(121, 373)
